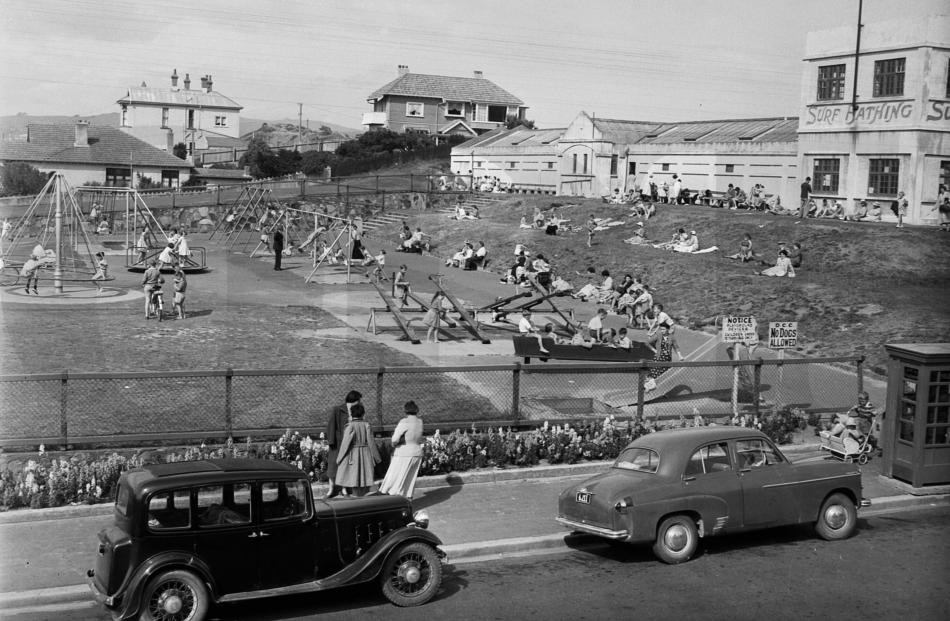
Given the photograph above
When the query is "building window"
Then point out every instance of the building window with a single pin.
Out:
(938, 410)
(883, 177)
(415, 109)
(511, 164)
(550, 165)
(831, 82)
(631, 168)
(454, 108)
(907, 411)
(948, 78)
(169, 178)
(945, 173)
(585, 164)
(889, 77)
(124, 122)
(480, 113)
(221, 121)
(825, 174)
(614, 161)
(665, 167)
(190, 124)
(574, 165)
(497, 114)
(119, 177)
(164, 117)
(730, 168)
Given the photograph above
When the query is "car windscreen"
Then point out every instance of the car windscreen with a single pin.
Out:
(639, 459)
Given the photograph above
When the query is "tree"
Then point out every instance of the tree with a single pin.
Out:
(326, 131)
(180, 151)
(512, 121)
(314, 162)
(259, 158)
(147, 183)
(20, 179)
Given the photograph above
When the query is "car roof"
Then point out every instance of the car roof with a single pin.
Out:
(206, 470)
(671, 439)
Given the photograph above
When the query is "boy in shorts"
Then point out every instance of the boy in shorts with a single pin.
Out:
(180, 284)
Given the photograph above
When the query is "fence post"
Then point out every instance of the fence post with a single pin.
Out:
(228, 375)
(756, 379)
(379, 394)
(63, 421)
(641, 380)
(217, 196)
(516, 392)
(411, 186)
(860, 365)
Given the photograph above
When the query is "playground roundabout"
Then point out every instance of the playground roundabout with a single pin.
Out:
(71, 295)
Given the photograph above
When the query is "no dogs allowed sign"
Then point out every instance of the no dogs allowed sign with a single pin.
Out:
(783, 334)
(739, 330)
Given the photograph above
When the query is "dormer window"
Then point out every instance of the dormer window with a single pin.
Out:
(415, 109)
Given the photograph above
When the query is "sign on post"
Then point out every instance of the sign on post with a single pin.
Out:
(739, 330)
(783, 334)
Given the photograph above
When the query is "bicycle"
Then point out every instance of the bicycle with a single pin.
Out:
(156, 303)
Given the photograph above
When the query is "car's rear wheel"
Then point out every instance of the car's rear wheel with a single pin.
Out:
(676, 539)
(174, 596)
(412, 575)
(838, 518)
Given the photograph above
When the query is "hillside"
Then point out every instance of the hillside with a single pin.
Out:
(288, 130)
(862, 285)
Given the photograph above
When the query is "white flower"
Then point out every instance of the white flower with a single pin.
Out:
(273, 449)
(42, 449)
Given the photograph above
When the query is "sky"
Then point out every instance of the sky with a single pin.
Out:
(662, 60)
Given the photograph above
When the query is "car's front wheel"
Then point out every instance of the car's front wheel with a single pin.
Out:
(838, 518)
(412, 575)
(676, 539)
(174, 596)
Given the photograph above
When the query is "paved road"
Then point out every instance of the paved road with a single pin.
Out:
(896, 567)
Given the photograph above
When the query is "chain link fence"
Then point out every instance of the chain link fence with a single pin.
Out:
(86, 408)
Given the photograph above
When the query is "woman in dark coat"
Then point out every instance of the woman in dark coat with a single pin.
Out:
(358, 455)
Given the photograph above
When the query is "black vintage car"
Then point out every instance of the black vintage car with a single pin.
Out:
(188, 534)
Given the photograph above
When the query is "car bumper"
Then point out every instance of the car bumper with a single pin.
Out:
(101, 598)
(593, 530)
(865, 502)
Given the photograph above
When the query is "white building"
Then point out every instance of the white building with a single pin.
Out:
(199, 118)
(887, 130)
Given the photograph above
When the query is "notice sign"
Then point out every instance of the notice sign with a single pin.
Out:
(739, 330)
(783, 334)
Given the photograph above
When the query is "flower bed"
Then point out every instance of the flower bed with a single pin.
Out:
(82, 478)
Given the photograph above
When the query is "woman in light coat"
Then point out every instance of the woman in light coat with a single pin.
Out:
(404, 467)
(358, 455)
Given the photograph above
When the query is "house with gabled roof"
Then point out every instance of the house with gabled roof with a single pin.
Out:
(86, 153)
(521, 158)
(441, 105)
(200, 118)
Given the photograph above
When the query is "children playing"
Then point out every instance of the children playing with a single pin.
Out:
(526, 328)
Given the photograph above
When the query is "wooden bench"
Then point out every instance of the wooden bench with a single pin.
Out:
(527, 347)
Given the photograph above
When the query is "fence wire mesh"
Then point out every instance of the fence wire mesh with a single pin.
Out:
(118, 408)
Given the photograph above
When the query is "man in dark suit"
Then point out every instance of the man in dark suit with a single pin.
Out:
(339, 417)
(278, 247)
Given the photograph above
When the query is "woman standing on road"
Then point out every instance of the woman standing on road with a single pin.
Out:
(358, 455)
(404, 467)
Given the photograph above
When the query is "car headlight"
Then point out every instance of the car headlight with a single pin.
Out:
(623, 504)
(421, 518)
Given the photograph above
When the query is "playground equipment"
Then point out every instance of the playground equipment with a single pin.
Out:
(500, 310)
(139, 218)
(51, 232)
(252, 212)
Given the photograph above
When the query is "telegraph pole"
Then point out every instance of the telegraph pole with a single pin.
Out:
(299, 125)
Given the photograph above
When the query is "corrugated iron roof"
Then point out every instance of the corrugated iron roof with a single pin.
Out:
(520, 136)
(736, 130)
(450, 88)
(107, 146)
(180, 98)
(625, 132)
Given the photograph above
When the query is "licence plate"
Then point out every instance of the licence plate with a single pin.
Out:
(583, 498)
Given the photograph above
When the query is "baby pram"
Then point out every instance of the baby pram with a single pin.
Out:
(846, 446)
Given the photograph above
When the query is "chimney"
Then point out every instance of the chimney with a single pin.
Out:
(204, 82)
(402, 70)
(175, 78)
(169, 141)
(478, 75)
(187, 82)
(210, 84)
(82, 134)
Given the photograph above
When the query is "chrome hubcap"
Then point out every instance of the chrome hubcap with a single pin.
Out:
(170, 603)
(410, 573)
(836, 516)
(677, 537)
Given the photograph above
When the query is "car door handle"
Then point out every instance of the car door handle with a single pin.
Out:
(252, 536)
(263, 534)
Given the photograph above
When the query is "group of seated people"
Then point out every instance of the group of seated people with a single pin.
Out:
(528, 272)
(412, 241)
(681, 242)
(491, 184)
(833, 209)
(465, 212)
(469, 257)
(631, 297)
(549, 223)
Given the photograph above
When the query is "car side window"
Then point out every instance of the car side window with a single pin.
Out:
(224, 504)
(169, 510)
(283, 499)
(710, 458)
(755, 454)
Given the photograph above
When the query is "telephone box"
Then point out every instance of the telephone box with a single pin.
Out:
(916, 428)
